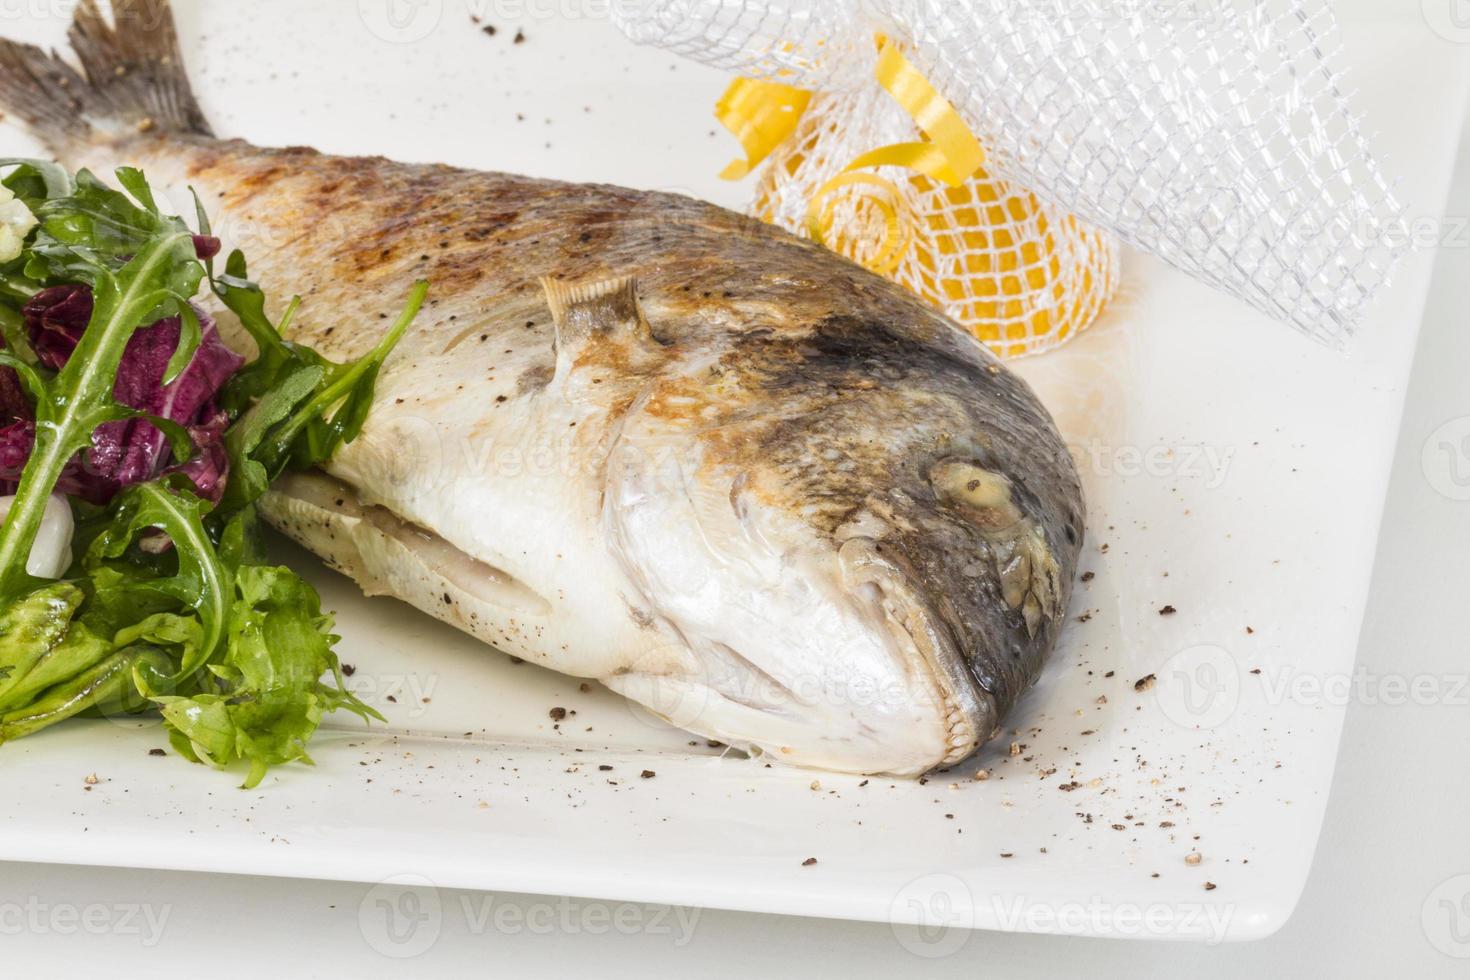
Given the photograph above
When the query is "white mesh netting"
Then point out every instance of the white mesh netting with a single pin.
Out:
(1215, 134)
(1022, 276)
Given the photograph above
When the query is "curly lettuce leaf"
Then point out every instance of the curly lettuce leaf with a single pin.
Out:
(53, 663)
(30, 628)
(267, 697)
(103, 682)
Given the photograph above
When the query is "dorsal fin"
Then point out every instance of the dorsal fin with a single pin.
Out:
(607, 309)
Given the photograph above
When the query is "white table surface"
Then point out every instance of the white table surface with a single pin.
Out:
(1389, 892)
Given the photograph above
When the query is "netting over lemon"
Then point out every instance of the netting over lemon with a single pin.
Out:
(1221, 137)
(1020, 275)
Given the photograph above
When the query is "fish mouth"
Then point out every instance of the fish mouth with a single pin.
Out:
(876, 578)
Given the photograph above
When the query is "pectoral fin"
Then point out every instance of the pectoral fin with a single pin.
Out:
(595, 316)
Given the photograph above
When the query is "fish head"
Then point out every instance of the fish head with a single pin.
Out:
(860, 540)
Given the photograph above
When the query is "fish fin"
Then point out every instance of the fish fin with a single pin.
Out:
(132, 77)
(583, 312)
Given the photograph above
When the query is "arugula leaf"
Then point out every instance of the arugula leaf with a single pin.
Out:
(247, 301)
(241, 542)
(37, 181)
(142, 266)
(92, 233)
(296, 408)
(349, 387)
(249, 478)
(201, 582)
(13, 335)
(33, 183)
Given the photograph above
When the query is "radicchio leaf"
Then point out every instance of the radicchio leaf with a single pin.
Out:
(131, 451)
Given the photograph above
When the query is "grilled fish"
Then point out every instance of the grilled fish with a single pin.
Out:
(633, 437)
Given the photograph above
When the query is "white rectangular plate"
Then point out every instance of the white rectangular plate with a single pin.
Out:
(1234, 472)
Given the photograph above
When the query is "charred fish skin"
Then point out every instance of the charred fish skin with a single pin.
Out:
(766, 477)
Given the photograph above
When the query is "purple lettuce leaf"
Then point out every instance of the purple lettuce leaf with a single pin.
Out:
(130, 451)
(210, 467)
(56, 318)
(16, 431)
(13, 402)
(16, 440)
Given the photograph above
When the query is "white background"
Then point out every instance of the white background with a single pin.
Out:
(1394, 833)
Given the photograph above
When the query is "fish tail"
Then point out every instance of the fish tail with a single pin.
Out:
(131, 78)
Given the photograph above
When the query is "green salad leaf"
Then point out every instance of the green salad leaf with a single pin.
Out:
(171, 606)
(266, 697)
(200, 581)
(142, 266)
(30, 630)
